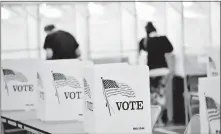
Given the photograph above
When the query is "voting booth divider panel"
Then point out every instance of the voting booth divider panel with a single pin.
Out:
(60, 89)
(119, 101)
(89, 118)
(18, 84)
(209, 97)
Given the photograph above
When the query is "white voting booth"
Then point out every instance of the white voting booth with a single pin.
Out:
(209, 95)
(18, 84)
(117, 99)
(60, 90)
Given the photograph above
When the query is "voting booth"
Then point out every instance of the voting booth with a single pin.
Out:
(117, 99)
(18, 84)
(209, 95)
(60, 90)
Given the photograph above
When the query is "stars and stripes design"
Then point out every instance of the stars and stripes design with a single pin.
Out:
(213, 115)
(61, 80)
(87, 88)
(40, 84)
(11, 75)
(213, 111)
(114, 88)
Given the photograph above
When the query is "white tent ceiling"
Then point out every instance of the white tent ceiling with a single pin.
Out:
(21, 10)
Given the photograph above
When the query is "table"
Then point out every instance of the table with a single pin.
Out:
(20, 115)
(28, 121)
(73, 127)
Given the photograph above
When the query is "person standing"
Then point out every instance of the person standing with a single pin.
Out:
(60, 44)
(156, 48)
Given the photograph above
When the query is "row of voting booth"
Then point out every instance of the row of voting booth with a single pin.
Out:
(109, 98)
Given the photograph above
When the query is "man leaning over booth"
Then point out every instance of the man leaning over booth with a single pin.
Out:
(60, 44)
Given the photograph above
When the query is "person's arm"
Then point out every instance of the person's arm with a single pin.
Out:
(78, 53)
(77, 49)
(168, 45)
(46, 43)
(49, 52)
(141, 45)
(142, 53)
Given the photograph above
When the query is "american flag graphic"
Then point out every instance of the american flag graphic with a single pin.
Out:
(114, 88)
(61, 80)
(40, 84)
(213, 110)
(10, 75)
(213, 115)
(87, 88)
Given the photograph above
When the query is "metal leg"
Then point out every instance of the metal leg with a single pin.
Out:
(169, 99)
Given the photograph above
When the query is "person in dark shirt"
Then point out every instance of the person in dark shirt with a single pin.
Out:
(156, 48)
(60, 44)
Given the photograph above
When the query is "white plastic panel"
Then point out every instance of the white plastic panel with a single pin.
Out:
(107, 54)
(82, 29)
(34, 54)
(129, 26)
(174, 33)
(31, 26)
(132, 57)
(13, 35)
(104, 29)
(15, 55)
(197, 28)
(215, 23)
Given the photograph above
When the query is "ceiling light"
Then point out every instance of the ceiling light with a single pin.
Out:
(95, 9)
(187, 4)
(50, 12)
(5, 14)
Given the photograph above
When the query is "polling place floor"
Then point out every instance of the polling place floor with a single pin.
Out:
(170, 130)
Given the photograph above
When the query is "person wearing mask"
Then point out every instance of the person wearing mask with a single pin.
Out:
(156, 47)
(60, 44)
